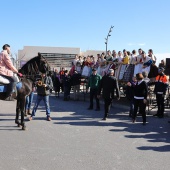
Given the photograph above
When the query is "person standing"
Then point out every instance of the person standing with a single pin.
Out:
(140, 97)
(94, 83)
(7, 70)
(153, 68)
(75, 82)
(108, 85)
(67, 85)
(29, 100)
(43, 92)
(56, 82)
(162, 64)
(161, 85)
(62, 74)
(137, 61)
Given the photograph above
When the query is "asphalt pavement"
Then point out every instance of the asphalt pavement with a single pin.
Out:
(77, 139)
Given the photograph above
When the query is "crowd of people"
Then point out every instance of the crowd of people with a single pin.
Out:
(102, 76)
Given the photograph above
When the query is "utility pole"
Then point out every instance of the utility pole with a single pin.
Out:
(108, 35)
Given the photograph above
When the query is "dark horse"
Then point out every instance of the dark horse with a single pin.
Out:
(30, 71)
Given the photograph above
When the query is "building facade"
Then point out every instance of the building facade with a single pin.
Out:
(57, 57)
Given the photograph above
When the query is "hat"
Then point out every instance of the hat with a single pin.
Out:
(94, 69)
(161, 69)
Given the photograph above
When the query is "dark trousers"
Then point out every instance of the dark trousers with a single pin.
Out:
(67, 92)
(131, 107)
(107, 104)
(62, 86)
(160, 104)
(93, 94)
(139, 104)
(11, 85)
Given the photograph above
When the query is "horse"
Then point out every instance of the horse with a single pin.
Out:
(30, 71)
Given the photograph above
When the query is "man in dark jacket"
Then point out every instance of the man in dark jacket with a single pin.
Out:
(67, 85)
(130, 95)
(108, 83)
(43, 91)
(161, 86)
(75, 82)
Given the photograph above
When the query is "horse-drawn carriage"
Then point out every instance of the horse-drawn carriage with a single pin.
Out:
(124, 74)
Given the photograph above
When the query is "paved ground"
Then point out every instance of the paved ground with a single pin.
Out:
(77, 139)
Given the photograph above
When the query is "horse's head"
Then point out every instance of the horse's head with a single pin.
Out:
(44, 66)
(35, 66)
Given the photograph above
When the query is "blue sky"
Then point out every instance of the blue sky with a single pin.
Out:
(85, 24)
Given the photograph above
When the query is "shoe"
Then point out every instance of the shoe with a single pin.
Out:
(98, 109)
(104, 118)
(29, 112)
(144, 123)
(156, 114)
(10, 98)
(14, 95)
(161, 116)
(30, 118)
(90, 108)
(49, 118)
(133, 120)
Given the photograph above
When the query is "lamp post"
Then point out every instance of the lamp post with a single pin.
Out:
(108, 35)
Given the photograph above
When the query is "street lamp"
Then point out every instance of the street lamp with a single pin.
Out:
(108, 35)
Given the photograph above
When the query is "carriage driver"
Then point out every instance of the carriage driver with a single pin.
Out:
(7, 70)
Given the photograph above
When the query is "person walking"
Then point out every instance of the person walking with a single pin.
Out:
(140, 97)
(160, 89)
(130, 95)
(94, 83)
(43, 92)
(108, 85)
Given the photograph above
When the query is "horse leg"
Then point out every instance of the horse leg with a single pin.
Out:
(22, 107)
(17, 113)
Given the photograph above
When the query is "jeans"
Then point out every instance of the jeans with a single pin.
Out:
(29, 100)
(46, 102)
(11, 85)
